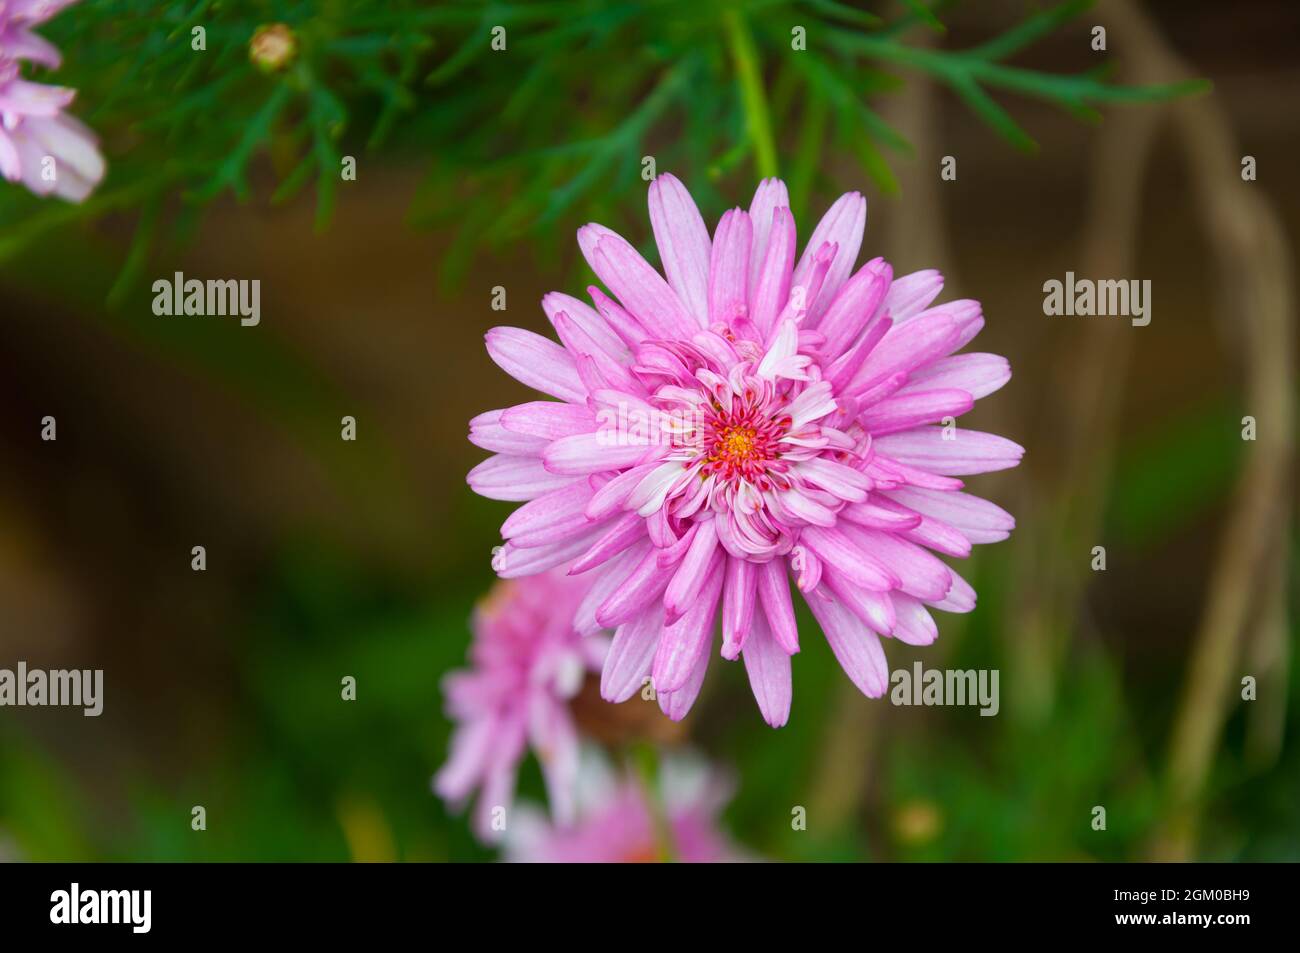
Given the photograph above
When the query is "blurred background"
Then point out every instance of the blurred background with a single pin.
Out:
(1119, 688)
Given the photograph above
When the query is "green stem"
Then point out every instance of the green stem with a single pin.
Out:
(745, 57)
(646, 758)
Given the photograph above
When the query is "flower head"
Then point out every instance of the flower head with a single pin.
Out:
(50, 152)
(526, 663)
(273, 47)
(754, 415)
(616, 819)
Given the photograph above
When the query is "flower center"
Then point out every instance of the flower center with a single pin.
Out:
(737, 443)
(740, 445)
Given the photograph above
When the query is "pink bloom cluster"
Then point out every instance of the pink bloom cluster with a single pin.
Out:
(616, 820)
(810, 431)
(41, 146)
(526, 663)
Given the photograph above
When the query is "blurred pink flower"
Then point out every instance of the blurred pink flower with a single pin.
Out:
(17, 41)
(41, 146)
(526, 663)
(753, 414)
(616, 822)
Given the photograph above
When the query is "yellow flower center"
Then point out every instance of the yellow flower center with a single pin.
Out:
(736, 443)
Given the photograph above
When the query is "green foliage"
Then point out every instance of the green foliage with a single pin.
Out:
(553, 127)
(189, 124)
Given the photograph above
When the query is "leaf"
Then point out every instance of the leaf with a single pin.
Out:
(994, 115)
(231, 171)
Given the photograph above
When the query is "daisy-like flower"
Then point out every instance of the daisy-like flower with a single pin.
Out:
(527, 661)
(618, 822)
(755, 415)
(41, 146)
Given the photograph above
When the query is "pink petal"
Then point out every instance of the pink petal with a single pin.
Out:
(768, 666)
(770, 195)
(977, 519)
(549, 510)
(618, 568)
(960, 598)
(729, 268)
(807, 290)
(614, 494)
(842, 224)
(836, 478)
(592, 323)
(628, 328)
(774, 597)
(691, 575)
(856, 647)
(846, 366)
(613, 371)
(876, 516)
(512, 562)
(26, 45)
(486, 431)
(505, 477)
(876, 609)
(773, 286)
(547, 419)
(499, 776)
(677, 704)
(905, 411)
(966, 452)
(908, 346)
(740, 595)
(928, 531)
(968, 316)
(797, 506)
(815, 402)
(586, 453)
(839, 552)
(855, 304)
(630, 655)
(887, 473)
(977, 374)
(640, 289)
(688, 638)
(919, 572)
(915, 626)
(555, 739)
(650, 493)
(572, 526)
(533, 360)
(644, 585)
(911, 294)
(618, 536)
(471, 744)
(683, 241)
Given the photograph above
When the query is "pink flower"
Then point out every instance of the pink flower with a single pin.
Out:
(17, 41)
(40, 145)
(526, 663)
(616, 821)
(751, 416)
